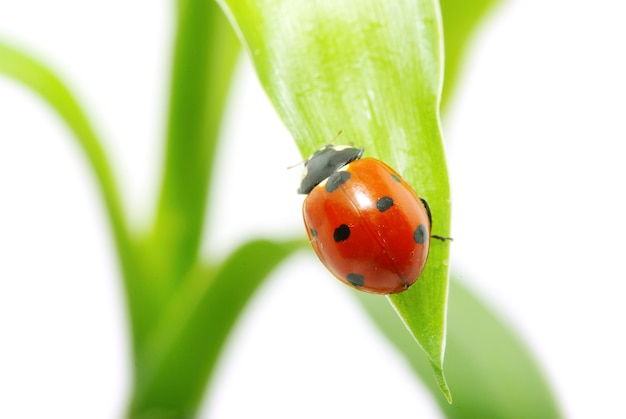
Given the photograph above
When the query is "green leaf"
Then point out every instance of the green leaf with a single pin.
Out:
(182, 352)
(372, 69)
(204, 56)
(33, 74)
(492, 373)
(460, 20)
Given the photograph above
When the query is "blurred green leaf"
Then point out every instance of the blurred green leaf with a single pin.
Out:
(372, 69)
(180, 355)
(204, 56)
(460, 20)
(492, 373)
(36, 76)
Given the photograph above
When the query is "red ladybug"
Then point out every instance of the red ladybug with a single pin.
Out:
(366, 224)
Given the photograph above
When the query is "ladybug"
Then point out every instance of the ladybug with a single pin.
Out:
(364, 221)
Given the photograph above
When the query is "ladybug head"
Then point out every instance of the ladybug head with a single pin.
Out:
(324, 162)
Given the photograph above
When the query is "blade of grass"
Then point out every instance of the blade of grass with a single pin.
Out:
(205, 53)
(182, 352)
(493, 374)
(372, 69)
(460, 20)
(33, 74)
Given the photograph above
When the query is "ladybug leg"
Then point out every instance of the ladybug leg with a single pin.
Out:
(430, 220)
(430, 217)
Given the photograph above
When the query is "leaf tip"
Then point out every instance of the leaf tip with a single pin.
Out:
(442, 383)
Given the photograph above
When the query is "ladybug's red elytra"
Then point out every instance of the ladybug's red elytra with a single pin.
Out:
(365, 222)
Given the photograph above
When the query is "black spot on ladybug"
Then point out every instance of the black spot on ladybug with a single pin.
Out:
(313, 233)
(336, 180)
(384, 203)
(396, 178)
(420, 234)
(341, 233)
(355, 280)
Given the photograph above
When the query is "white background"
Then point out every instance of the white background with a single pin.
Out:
(535, 148)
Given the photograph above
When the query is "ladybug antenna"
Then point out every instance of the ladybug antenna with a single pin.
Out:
(336, 136)
(293, 166)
